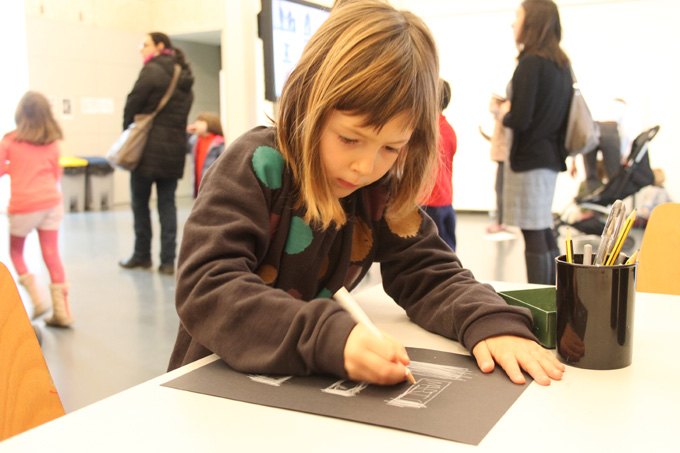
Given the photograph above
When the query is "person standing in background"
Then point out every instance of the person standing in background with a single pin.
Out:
(439, 203)
(205, 144)
(542, 89)
(162, 161)
(501, 140)
(30, 156)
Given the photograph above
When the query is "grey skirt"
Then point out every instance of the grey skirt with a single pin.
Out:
(528, 198)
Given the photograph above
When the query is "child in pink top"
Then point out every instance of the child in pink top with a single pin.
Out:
(30, 156)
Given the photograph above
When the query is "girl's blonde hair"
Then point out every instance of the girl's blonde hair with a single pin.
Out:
(371, 60)
(34, 119)
(213, 122)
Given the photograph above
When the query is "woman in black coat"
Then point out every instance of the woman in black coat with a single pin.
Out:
(541, 95)
(162, 161)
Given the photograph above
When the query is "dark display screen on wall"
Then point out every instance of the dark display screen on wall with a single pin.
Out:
(285, 26)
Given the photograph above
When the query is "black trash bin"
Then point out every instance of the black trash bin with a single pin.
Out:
(98, 184)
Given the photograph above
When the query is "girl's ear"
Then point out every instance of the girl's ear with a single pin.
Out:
(160, 46)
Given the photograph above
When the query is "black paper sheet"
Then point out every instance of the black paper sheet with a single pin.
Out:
(451, 399)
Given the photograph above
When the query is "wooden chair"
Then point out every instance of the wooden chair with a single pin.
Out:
(659, 262)
(28, 397)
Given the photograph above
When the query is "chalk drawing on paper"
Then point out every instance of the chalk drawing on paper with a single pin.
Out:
(419, 394)
(269, 380)
(432, 380)
(436, 371)
(345, 388)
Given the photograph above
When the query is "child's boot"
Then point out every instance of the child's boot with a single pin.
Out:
(61, 312)
(39, 305)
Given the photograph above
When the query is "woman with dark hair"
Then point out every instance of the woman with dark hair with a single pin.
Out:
(162, 161)
(537, 114)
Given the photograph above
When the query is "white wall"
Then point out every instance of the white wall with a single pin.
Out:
(618, 48)
(15, 81)
(89, 50)
(81, 62)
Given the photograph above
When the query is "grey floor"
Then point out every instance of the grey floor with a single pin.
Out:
(125, 321)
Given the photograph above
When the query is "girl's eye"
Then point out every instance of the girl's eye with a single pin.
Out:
(392, 149)
(347, 141)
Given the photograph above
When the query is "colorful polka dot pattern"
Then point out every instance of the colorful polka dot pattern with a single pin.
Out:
(324, 294)
(362, 240)
(268, 164)
(299, 236)
(406, 226)
(324, 268)
(268, 274)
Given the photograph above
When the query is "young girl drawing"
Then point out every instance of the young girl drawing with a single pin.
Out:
(205, 144)
(289, 214)
(30, 156)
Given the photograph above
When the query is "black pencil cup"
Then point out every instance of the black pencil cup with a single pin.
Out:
(595, 308)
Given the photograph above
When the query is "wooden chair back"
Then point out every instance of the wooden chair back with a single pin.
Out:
(28, 397)
(659, 262)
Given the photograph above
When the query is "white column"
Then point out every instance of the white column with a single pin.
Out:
(238, 102)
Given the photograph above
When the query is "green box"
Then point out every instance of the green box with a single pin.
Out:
(542, 304)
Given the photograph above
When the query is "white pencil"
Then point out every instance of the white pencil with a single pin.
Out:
(347, 302)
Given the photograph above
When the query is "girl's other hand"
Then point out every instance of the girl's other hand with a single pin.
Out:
(376, 360)
(513, 353)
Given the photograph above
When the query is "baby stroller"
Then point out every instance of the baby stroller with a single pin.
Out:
(588, 213)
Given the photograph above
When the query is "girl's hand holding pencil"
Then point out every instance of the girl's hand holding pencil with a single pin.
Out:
(378, 360)
(370, 354)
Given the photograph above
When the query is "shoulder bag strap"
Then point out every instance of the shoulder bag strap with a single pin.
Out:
(171, 89)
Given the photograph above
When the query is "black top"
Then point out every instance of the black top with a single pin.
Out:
(541, 95)
(165, 149)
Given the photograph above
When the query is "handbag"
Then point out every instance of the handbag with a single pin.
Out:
(126, 152)
(583, 133)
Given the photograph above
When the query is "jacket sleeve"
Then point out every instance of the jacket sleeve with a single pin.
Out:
(524, 91)
(222, 302)
(426, 278)
(138, 97)
(191, 142)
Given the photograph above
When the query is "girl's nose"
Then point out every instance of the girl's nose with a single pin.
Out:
(365, 163)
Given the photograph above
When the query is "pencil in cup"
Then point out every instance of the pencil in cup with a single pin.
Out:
(618, 245)
(633, 258)
(347, 302)
(609, 234)
(587, 254)
(569, 247)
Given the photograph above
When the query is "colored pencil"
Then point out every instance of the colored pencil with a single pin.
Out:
(570, 247)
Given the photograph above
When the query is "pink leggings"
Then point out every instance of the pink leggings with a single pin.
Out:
(50, 251)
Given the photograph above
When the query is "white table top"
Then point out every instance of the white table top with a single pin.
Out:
(632, 409)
